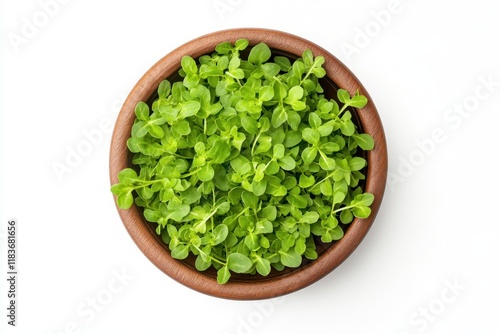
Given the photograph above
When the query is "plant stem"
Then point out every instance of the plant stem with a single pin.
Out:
(320, 182)
(209, 256)
(343, 208)
(190, 173)
(255, 141)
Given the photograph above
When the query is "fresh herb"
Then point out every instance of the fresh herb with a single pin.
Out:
(245, 163)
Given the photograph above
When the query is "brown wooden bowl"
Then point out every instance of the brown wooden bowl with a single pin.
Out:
(248, 287)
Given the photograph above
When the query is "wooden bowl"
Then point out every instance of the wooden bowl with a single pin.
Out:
(248, 287)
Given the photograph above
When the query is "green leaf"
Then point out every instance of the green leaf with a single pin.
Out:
(156, 131)
(343, 96)
(292, 138)
(295, 93)
(152, 215)
(189, 65)
(127, 176)
(311, 254)
(361, 212)
(125, 200)
(298, 105)
(189, 108)
(220, 234)
(206, 173)
(310, 217)
(224, 207)
(309, 154)
(329, 147)
(250, 124)
(289, 183)
(190, 196)
(326, 188)
(357, 163)
(210, 70)
(140, 129)
(347, 127)
(224, 48)
(164, 89)
(142, 111)
(290, 258)
(252, 242)
(250, 199)
(247, 93)
(202, 264)
(270, 213)
(178, 212)
(325, 129)
(358, 101)
(266, 93)
(223, 275)
(294, 119)
(259, 54)
(279, 116)
(180, 252)
(259, 172)
(275, 188)
(340, 190)
(308, 58)
(241, 165)
(300, 245)
(241, 44)
(279, 151)
(219, 152)
(287, 163)
(365, 141)
(306, 181)
(264, 242)
(346, 216)
(311, 136)
(298, 68)
(327, 163)
(315, 121)
(338, 196)
(262, 265)
(238, 263)
(365, 199)
(259, 187)
(263, 226)
(297, 200)
(337, 233)
(283, 62)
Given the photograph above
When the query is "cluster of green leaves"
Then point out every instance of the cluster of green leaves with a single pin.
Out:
(245, 163)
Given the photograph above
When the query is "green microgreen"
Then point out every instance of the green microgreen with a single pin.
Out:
(245, 164)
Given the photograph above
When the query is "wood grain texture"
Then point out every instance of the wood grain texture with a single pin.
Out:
(249, 287)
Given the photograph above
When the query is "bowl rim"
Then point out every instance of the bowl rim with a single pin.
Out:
(136, 226)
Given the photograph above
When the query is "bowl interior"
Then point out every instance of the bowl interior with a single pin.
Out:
(277, 283)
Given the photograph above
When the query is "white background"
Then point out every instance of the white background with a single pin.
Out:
(428, 265)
